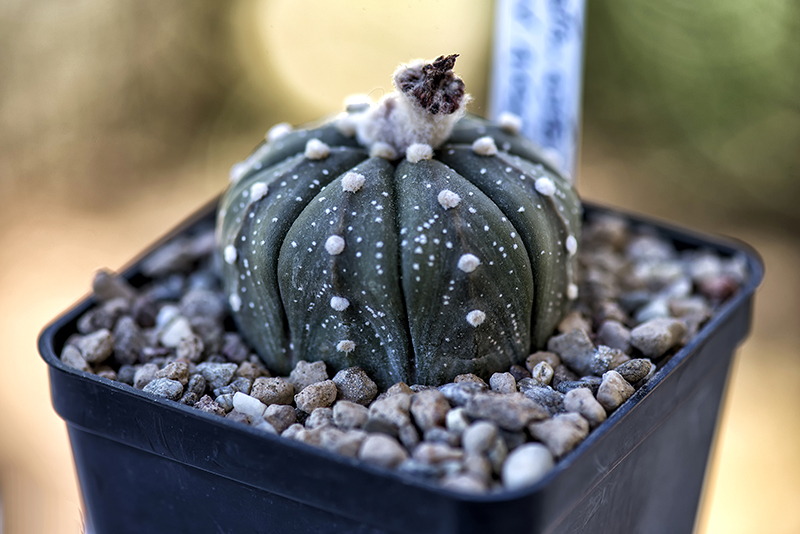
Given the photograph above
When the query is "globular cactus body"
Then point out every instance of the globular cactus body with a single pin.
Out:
(415, 269)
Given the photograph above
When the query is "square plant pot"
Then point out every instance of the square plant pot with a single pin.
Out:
(146, 464)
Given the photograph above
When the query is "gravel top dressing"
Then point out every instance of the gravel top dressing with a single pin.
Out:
(639, 301)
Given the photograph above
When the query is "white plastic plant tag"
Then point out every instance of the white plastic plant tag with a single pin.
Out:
(537, 73)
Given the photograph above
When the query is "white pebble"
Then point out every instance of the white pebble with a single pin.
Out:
(476, 317)
(235, 301)
(526, 465)
(572, 292)
(230, 254)
(510, 123)
(250, 406)
(352, 182)
(278, 131)
(316, 149)
(345, 345)
(484, 146)
(339, 303)
(448, 199)
(468, 263)
(545, 186)
(237, 171)
(383, 150)
(334, 245)
(418, 152)
(572, 245)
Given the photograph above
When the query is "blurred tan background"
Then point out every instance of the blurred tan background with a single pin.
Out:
(118, 119)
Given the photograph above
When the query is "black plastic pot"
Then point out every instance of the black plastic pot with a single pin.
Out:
(150, 465)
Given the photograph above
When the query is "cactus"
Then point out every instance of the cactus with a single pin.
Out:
(404, 237)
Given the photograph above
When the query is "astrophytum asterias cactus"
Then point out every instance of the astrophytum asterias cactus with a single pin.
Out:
(402, 237)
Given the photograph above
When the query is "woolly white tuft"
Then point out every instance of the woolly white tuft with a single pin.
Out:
(572, 292)
(352, 182)
(237, 171)
(572, 245)
(448, 199)
(510, 123)
(468, 263)
(484, 146)
(545, 186)
(334, 245)
(339, 303)
(553, 157)
(357, 101)
(278, 131)
(382, 150)
(235, 301)
(230, 254)
(476, 317)
(258, 191)
(418, 152)
(345, 345)
(346, 125)
(316, 149)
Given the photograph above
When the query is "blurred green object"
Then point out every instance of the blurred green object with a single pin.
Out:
(708, 91)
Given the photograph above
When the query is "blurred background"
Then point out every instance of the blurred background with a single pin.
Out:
(118, 119)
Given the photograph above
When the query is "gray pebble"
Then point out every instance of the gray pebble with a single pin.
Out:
(511, 412)
(519, 372)
(103, 316)
(614, 390)
(209, 405)
(420, 470)
(316, 395)
(249, 371)
(526, 465)
(320, 417)
(265, 426)
(293, 431)
(382, 450)
(202, 302)
(273, 390)
(479, 437)
(237, 416)
(503, 383)
(393, 410)
(497, 454)
(190, 348)
(144, 311)
(575, 349)
(634, 370)
(408, 436)
(542, 374)
(354, 385)
(96, 347)
(534, 359)
(561, 433)
(126, 374)
(304, 374)
(656, 337)
(513, 439)
(280, 416)
(175, 371)
(615, 335)
(459, 394)
(217, 374)
(144, 375)
(574, 321)
(464, 483)
(128, 341)
(438, 434)
(654, 309)
(400, 387)
(107, 285)
(478, 465)
(457, 421)
(348, 415)
(434, 453)
(233, 348)
(211, 332)
(561, 374)
(346, 443)
(72, 356)
(164, 387)
(225, 401)
(545, 397)
(252, 408)
(566, 386)
(429, 408)
(189, 398)
(583, 402)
